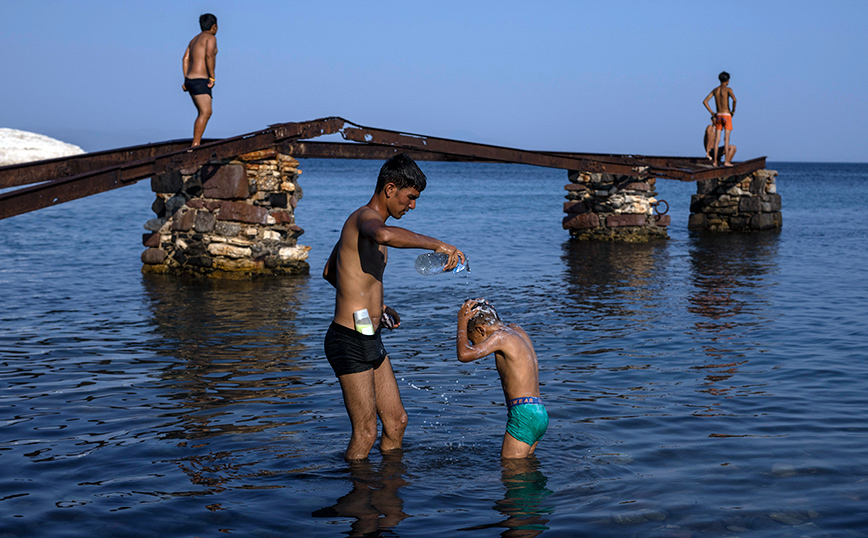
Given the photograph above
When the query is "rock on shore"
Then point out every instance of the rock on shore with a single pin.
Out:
(21, 147)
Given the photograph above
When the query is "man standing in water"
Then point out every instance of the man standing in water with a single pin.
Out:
(199, 61)
(723, 117)
(355, 268)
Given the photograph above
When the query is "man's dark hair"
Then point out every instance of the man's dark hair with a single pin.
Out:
(403, 172)
(723, 76)
(206, 21)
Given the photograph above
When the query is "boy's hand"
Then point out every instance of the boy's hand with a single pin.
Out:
(466, 310)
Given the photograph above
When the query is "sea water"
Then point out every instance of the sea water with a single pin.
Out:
(707, 385)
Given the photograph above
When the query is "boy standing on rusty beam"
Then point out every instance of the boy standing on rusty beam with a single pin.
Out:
(199, 62)
(722, 118)
(353, 344)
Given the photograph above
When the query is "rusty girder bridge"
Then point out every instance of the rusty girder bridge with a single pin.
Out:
(51, 182)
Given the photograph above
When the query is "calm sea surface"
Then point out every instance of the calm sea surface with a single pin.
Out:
(708, 385)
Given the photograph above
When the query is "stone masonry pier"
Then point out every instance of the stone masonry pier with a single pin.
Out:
(610, 207)
(232, 218)
(742, 203)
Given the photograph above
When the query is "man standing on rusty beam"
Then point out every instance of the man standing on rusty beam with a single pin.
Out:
(199, 61)
(353, 344)
(722, 119)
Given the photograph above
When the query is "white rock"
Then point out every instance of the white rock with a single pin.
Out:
(222, 249)
(296, 253)
(21, 147)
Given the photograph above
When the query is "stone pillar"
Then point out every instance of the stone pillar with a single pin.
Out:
(228, 219)
(609, 207)
(737, 203)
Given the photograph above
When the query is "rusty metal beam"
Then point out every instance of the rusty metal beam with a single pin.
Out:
(65, 189)
(67, 179)
(683, 168)
(738, 169)
(38, 171)
(347, 150)
(384, 137)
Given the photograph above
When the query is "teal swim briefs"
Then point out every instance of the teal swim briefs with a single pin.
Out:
(527, 419)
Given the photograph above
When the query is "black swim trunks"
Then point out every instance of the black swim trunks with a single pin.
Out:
(350, 352)
(197, 86)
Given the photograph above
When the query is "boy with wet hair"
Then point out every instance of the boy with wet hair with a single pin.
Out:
(480, 333)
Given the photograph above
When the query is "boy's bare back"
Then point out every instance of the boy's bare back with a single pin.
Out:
(513, 350)
(480, 333)
(722, 95)
(516, 363)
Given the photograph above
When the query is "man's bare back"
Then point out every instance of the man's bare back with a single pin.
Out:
(197, 55)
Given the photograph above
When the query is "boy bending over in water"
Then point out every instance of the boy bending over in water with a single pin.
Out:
(481, 333)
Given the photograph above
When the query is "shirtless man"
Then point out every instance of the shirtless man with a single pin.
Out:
(480, 333)
(199, 61)
(355, 268)
(722, 118)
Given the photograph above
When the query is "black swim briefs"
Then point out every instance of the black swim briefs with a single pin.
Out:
(350, 352)
(197, 86)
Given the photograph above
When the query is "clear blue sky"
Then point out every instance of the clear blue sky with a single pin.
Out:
(607, 76)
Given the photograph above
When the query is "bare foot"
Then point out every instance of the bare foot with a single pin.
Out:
(727, 164)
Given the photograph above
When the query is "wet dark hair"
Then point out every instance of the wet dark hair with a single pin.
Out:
(723, 76)
(483, 315)
(206, 21)
(403, 172)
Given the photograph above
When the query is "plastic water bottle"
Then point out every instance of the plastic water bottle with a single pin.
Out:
(434, 263)
(363, 322)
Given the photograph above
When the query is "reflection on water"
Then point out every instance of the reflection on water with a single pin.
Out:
(724, 269)
(230, 342)
(233, 350)
(709, 385)
(373, 502)
(617, 280)
(523, 503)
(730, 295)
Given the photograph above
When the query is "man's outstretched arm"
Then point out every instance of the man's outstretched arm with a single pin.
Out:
(393, 236)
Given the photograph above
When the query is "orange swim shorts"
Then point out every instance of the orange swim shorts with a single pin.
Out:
(723, 121)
